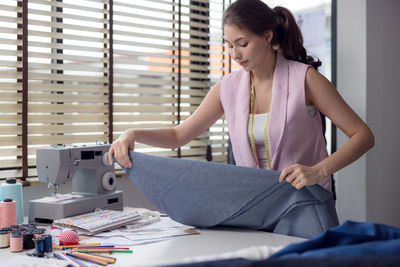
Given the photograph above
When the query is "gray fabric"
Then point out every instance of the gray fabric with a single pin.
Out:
(207, 194)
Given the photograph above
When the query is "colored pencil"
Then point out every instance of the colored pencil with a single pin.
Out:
(94, 251)
(122, 251)
(97, 248)
(88, 247)
(104, 250)
(58, 256)
(80, 264)
(112, 260)
(82, 257)
(100, 255)
(66, 258)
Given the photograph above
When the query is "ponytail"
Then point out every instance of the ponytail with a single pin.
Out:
(257, 17)
(288, 38)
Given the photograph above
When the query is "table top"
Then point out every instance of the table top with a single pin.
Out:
(208, 243)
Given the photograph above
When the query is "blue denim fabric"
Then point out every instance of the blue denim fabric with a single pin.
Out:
(350, 239)
(207, 194)
(364, 261)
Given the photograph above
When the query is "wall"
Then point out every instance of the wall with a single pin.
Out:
(383, 79)
(368, 79)
(351, 83)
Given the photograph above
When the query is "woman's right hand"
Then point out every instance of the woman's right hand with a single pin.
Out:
(120, 149)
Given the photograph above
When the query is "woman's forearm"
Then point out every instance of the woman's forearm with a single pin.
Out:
(163, 137)
(354, 148)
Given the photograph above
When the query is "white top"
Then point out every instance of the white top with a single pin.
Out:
(258, 132)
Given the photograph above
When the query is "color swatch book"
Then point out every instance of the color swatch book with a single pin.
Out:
(98, 221)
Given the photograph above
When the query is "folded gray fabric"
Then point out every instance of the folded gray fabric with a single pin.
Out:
(207, 194)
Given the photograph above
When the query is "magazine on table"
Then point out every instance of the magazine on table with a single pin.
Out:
(98, 221)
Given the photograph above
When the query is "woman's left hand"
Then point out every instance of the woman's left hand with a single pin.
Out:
(300, 175)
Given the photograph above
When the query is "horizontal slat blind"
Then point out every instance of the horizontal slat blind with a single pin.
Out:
(68, 75)
(195, 80)
(10, 89)
(87, 81)
(144, 83)
(219, 65)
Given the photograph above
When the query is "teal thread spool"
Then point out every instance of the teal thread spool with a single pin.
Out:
(13, 190)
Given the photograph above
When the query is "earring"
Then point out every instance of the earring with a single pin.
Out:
(275, 47)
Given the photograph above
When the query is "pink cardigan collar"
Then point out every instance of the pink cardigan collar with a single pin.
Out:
(277, 115)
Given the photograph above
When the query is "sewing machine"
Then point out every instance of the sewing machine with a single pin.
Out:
(93, 182)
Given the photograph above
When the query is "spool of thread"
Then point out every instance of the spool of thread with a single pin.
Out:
(27, 241)
(38, 232)
(4, 239)
(16, 242)
(48, 243)
(27, 226)
(14, 228)
(39, 244)
(13, 190)
(8, 213)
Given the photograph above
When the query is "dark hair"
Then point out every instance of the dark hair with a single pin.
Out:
(257, 17)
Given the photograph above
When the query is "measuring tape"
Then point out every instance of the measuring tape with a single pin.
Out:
(252, 141)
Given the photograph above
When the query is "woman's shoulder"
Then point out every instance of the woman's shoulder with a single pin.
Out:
(230, 84)
(232, 80)
(293, 64)
(298, 70)
(234, 76)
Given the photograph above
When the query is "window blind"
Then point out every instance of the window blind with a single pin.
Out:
(11, 89)
(145, 80)
(219, 65)
(81, 72)
(67, 75)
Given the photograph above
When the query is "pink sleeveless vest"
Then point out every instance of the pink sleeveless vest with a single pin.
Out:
(294, 136)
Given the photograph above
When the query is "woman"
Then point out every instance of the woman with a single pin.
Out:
(270, 106)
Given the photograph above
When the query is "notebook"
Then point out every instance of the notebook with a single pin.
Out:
(98, 221)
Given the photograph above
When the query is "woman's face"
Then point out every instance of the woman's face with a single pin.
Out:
(247, 49)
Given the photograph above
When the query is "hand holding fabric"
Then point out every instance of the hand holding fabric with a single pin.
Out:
(120, 149)
(300, 175)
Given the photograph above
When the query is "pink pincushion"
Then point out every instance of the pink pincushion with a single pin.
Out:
(69, 237)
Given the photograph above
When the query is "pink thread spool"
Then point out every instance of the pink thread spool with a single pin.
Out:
(4, 238)
(39, 232)
(8, 213)
(16, 242)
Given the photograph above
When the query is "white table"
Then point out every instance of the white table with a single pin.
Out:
(175, 250)
(208, 242)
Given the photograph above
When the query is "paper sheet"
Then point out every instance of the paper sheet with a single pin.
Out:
(165, 229)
